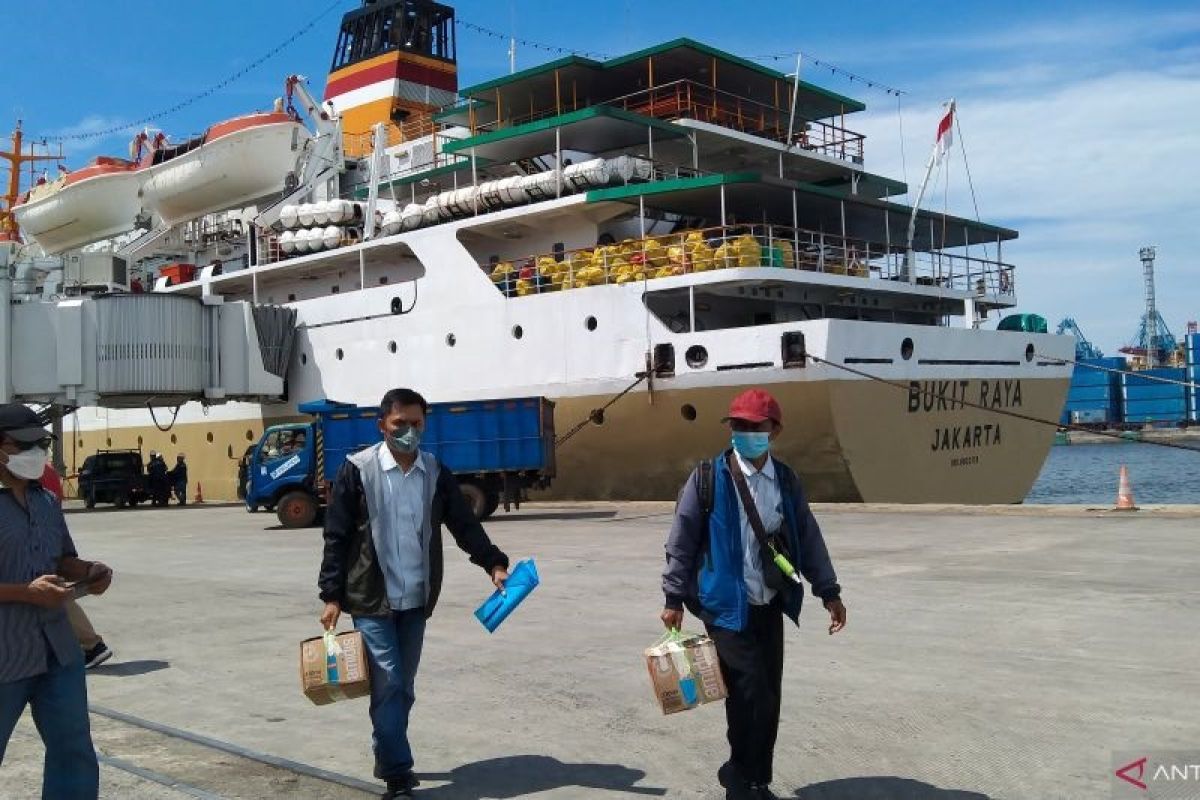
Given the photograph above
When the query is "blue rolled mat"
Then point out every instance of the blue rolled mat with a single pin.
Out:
(521, 581)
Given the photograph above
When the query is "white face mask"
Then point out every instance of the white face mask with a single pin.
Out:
(28, 464)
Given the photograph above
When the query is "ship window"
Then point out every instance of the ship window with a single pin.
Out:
(391, 347)
(559, 250)
(1029, 352)
(413, 25)
(303, 358)
(209, 437)
(334, 289)
(291, 298)
(249, 436)
(339, 354)
(518, 331)
(451, 340)
(174, 439)
(688, 412)
(590, 323)
(383, 279)
(906, 349)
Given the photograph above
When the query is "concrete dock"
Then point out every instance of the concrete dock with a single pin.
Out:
(990, 653)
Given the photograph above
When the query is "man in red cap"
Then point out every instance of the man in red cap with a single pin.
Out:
(743, 535)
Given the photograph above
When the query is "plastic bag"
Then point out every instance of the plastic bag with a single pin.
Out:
(522, 579)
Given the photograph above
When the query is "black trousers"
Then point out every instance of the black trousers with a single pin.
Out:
(752, 665)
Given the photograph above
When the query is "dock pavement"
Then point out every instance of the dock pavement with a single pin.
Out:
(990, 653)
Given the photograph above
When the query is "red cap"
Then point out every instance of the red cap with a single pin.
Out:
(755, 405)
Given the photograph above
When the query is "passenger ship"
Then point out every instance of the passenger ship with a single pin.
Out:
(637, 239)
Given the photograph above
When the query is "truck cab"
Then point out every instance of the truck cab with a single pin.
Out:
(281, 464)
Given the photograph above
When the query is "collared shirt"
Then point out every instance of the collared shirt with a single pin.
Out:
(31, 543)
(764, 488)
(403, 555)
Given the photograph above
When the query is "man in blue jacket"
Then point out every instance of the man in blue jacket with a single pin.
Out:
(725, 572)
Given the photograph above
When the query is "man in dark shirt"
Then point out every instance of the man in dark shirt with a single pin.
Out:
(41, 664)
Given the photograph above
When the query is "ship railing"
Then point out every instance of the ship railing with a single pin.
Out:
(747, 246)
(689, 99)
(361, 143)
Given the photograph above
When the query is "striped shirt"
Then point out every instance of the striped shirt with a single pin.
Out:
(32, 541)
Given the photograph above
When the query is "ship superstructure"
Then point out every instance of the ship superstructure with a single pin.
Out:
(637, 239)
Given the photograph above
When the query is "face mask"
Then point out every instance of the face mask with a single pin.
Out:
(28, 464)
(406, 442)
(751, 444)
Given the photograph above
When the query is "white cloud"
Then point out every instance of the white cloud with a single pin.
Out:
(1089, 171)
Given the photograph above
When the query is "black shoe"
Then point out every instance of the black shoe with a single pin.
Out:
(761, 791)
(401, 787)
(97, 655)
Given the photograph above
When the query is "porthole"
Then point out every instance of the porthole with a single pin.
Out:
(208, 436)
(906, 349)
(139, 443)
(229, 451)
(451, 340)
(338, 354)
(688, 412)
(391, 347)
(1029, 352)
(303, 358)
(590, 323)
(518, 331)
(81, 442)
(397, 306)
(291, 298)
(597, 416)
(696, 357)
(249, 436)
(174, 439)
(109, 440)
(335, 289)
(383, 279)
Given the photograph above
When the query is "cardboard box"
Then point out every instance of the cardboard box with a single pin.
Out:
(345, 676)
(684, 672)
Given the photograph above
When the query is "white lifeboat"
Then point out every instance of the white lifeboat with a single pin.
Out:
(542, 186)
(233, 163)
(321, 210)
(84, 206)
(511, 191)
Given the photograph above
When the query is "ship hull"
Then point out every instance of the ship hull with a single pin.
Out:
(850, 440)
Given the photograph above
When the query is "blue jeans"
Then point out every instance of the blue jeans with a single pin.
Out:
(58, 699)
(393, 645)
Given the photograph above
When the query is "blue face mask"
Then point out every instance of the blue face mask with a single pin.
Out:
(751, 444)
(406, 439)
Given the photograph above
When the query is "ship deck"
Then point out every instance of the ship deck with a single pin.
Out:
(991, 653)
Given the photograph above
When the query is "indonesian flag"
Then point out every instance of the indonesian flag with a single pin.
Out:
(945, 134)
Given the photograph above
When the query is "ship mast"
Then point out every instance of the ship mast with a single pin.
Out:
(17, 158)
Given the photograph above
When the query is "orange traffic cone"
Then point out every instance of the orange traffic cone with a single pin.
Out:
(1125, 493)
(199, 493)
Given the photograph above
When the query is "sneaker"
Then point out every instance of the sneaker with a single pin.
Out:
(761, 791)
(401, 787)
(97, 655)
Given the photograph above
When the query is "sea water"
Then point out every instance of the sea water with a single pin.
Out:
(1090, 473)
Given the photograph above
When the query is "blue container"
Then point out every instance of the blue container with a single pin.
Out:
(490, 435)
(1095, 394)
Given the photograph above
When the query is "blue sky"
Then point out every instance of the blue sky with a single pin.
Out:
(1082, 120)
